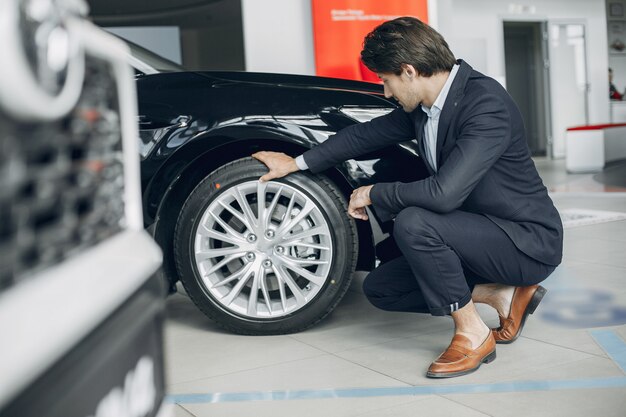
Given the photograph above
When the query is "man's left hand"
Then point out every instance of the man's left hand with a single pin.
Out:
(360, 199)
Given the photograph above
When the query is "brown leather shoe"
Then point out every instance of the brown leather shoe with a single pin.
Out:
(525, 301)
(459, 358)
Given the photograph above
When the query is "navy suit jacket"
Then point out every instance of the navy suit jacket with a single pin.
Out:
(483, 159)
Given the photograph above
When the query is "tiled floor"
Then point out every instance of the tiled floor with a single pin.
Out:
(366, 362)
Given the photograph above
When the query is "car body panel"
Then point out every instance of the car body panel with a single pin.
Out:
(200, 112)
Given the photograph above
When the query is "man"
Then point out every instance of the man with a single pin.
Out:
(481, 228)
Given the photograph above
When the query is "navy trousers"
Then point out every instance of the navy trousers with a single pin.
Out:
(441, 258)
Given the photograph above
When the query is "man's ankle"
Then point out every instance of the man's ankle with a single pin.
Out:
(498, 296)
(476, 336)
(467, 322)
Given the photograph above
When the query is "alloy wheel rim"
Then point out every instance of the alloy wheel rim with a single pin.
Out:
(263, 260)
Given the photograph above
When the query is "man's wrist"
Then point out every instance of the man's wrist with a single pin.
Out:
(301, 163)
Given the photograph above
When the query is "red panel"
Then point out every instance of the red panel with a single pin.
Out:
(596, 127)
(339, 27)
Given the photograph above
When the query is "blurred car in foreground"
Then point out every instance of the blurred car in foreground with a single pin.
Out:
(81, 304)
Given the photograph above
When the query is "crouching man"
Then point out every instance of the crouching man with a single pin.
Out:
(481, 228)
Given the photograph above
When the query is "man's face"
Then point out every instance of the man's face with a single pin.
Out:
(403, 88)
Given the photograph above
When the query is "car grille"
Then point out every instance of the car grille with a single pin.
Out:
(61, 182)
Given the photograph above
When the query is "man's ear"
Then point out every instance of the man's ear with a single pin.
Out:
(408, 70)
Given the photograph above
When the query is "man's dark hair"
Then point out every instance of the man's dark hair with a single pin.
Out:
(406, 40)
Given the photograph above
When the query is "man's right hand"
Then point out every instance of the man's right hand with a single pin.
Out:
(279, 164)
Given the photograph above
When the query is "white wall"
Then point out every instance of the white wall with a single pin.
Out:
(278, 36)
(467, 24)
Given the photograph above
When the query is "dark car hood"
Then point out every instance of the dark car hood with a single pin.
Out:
(300, 81)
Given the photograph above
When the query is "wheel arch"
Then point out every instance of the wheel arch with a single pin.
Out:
(211, 159)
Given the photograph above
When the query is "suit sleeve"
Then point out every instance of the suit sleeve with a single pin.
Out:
(483, 137)
(360, 139)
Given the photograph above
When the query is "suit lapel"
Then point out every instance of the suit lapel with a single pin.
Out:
(451, 105)
(419, 135)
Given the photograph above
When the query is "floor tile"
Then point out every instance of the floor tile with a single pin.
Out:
(322, 372)
(609, 231)
(621, 332)
(563, 276)
(194, 353)
(584, 295)
(432, 406)
(337, 407)
(609, 277)
(566, 403)
(180, 411)
(589, 201)
(577, 339)
(594, 250)
(585, 369)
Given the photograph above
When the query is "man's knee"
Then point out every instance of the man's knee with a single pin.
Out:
(412, 223)
(371, 285)
(374, 289)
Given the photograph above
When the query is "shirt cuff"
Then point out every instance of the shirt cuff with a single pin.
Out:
(301, 163)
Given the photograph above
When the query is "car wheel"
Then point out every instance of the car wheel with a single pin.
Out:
(271, 268)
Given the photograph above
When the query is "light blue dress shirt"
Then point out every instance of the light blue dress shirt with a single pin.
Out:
(432, 124)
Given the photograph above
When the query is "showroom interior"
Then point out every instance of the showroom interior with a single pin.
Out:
(146, 271)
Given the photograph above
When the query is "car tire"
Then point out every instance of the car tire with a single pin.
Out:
(262, 270)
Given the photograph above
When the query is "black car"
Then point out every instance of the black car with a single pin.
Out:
(257, 258)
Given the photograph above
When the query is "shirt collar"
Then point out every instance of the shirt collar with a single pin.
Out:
(443, 94)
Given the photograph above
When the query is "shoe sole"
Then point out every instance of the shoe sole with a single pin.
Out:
(487, 359)
(530, 309)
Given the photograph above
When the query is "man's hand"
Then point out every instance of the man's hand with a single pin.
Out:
(360, 199)
(278, 163)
